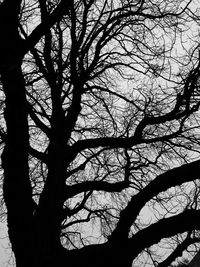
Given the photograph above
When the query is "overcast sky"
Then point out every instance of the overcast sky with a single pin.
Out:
(5, 252)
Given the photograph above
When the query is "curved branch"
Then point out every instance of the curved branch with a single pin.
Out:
(37, 154)
(178, 251)
(61, 10)
(97, 186)
(120, 142)
(38, 122)
(185, 221)
(185, 173)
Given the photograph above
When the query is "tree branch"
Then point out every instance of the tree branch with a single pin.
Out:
(120, 142)
(185, 173)
(96, 185)
(178, 251)
(185, 221)
(39, 155)
(61, 10)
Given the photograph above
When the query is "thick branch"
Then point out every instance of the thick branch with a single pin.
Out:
(185, 173)
(38, 122)
(178, 251)
(37, 154)
(95, 185)
(111, 142)
(185, 221)
(61, 10)
(122, 142)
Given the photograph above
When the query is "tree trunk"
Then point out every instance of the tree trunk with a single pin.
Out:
(17, 187)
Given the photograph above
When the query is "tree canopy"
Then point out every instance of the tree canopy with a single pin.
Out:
(100, 131)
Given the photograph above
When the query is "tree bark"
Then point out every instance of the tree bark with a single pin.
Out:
(17, 187)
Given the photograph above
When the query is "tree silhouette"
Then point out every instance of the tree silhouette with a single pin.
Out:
(99, 120)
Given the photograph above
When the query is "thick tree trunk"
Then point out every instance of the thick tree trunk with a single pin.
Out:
(17, 188)
(48, 216)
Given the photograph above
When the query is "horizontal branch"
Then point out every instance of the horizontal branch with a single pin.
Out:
(111, 142)
(121, 142)
(37, 154)
(97, 186)
(174, 177)
(165, 228)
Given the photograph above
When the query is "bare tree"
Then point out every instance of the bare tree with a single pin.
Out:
(99, 123)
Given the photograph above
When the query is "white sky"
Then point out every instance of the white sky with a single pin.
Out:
(5, 252)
